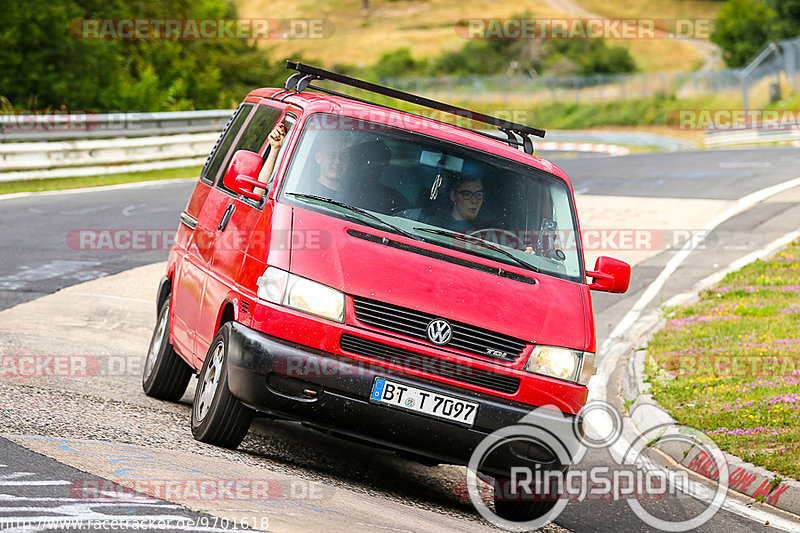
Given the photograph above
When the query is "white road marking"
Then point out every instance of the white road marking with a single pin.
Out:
(717, 276)
(15, 475)
(4, 498)
(745, 164)
(42, 483)
(90, 504)
(634, 324)
(138, 185)
(85, 211)
(672, 265)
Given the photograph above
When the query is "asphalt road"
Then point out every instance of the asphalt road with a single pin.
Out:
(41, 256)
(40, 494)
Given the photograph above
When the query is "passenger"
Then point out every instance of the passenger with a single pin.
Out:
(331, 155)
(276, 137)
(368, 160)
(467, 196)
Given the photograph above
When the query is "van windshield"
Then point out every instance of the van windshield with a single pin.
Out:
(435, 191)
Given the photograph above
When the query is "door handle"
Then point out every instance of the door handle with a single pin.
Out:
(226, 217)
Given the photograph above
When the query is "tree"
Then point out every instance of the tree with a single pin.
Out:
(45, 65)
(742, 29)
(786, 23)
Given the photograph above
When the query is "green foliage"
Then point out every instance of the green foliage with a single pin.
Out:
(396, 64)
(511, 56)
(490, 56)
(44, 65)
(634, 112)
(786, 23)
(498, 56)
(742, 28)
(592, 56)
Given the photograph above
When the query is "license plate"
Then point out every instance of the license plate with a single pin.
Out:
(422, 401)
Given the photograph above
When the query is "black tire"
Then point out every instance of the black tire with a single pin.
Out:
(523, 511)
(523, 506)
(218, 417)
(165, 375)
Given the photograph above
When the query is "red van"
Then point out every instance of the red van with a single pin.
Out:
(405, 282)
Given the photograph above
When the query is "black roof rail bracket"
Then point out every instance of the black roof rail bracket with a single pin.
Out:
(306, 74)
(291, 81)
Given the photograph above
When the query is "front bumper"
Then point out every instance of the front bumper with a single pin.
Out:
(331, 392)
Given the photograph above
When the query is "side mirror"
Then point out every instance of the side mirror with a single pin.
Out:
(242, 173)
(610, 275)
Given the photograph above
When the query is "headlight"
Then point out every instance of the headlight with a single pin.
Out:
(562, 363)
(281, 287)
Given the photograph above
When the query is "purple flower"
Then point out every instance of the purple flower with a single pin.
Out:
(786, 398)
(746, 432)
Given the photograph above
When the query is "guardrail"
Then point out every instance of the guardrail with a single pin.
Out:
(51, 145)
(86, 125)
(628, 138)
(86, 144)
(719, 138)
(35, 160)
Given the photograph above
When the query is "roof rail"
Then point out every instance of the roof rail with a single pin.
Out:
(305, 74)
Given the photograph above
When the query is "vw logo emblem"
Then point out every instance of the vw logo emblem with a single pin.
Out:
(439, 331)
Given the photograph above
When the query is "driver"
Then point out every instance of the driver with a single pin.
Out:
(467, 197)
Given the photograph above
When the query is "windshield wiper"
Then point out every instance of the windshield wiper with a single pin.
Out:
(480, 242)
(358, 210)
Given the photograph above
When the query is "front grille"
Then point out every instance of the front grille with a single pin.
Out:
(429, 364)
(413, 323)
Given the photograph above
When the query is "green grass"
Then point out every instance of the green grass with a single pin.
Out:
(729, 365)
(57, 184)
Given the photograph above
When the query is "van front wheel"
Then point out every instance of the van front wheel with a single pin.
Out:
(218, 417)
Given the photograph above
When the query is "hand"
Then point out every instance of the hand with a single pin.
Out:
(277, 135)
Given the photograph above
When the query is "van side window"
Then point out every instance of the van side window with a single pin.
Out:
(223, 144)
(288, 121)
(255, 133)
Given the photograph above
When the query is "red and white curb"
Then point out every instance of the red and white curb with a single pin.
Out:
(742, 477)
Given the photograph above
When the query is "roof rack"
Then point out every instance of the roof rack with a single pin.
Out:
(301, 80)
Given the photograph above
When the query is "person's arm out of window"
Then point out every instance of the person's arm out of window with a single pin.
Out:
(276, 137)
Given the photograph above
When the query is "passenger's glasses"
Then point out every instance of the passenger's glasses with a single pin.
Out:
(469, 195)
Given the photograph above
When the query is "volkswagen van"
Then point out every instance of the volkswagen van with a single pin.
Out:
(378, 309)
